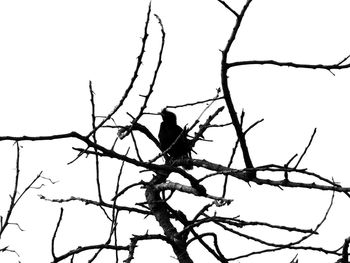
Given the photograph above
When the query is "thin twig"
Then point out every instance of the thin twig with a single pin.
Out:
(115, 212)
(136, 147)
(218, 254)
(342, 61)
(126, 189)
(192, 103)
(203, 127)
(28, 187)
(252, 126)
(5, 223)
(81, 249)
(307, 147)
(228, 7)
(292, 244)
(94, 138)
(96, 203)
(205, 109)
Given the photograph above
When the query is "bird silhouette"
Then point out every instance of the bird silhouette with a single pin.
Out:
(170, 134)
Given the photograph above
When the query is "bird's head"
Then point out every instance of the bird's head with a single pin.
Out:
(168, 116)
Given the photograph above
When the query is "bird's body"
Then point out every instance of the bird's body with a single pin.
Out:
(170, 134)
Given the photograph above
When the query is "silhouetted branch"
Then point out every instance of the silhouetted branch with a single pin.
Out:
(115, 212)
(96, 203)
(161, 214)
(217, 254)
(54, 236)
(136, 238)
(228, 7)
(28, 187)
(133, 79)
(345, 253)
(93, 120)
(318, 225)
(143, 129)
(295, 259)
(270, 250)
(234, 149)
(252, 126)
(203, 127)
(337, 66)
(136, 147)
(41, 138)
(194, 103)
(224, 82)
(241, 223)
(168, 185)
(15, 197)
(146, 97)
(220, 125)
(205, 109)
(5, 223)
(126, 189)
(292, 245)
(242, 175)
(81, 249)
(307, 147)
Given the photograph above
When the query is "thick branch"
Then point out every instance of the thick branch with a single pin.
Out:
(159, 210)
(345, 254)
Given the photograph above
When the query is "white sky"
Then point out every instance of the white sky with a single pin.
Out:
(49, 50)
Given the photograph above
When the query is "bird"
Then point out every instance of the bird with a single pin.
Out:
(171, 134)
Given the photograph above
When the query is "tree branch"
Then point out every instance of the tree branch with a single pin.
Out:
(133, 79)
(337, 66)
(226, 91)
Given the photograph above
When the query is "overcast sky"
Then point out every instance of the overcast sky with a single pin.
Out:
(50, 50)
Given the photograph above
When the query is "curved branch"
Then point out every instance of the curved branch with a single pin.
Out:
(150, 91)
(160, 212)
(54, 235)
(227, 95)
(133, 79)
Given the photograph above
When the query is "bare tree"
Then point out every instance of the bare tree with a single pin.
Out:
(210, 227)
